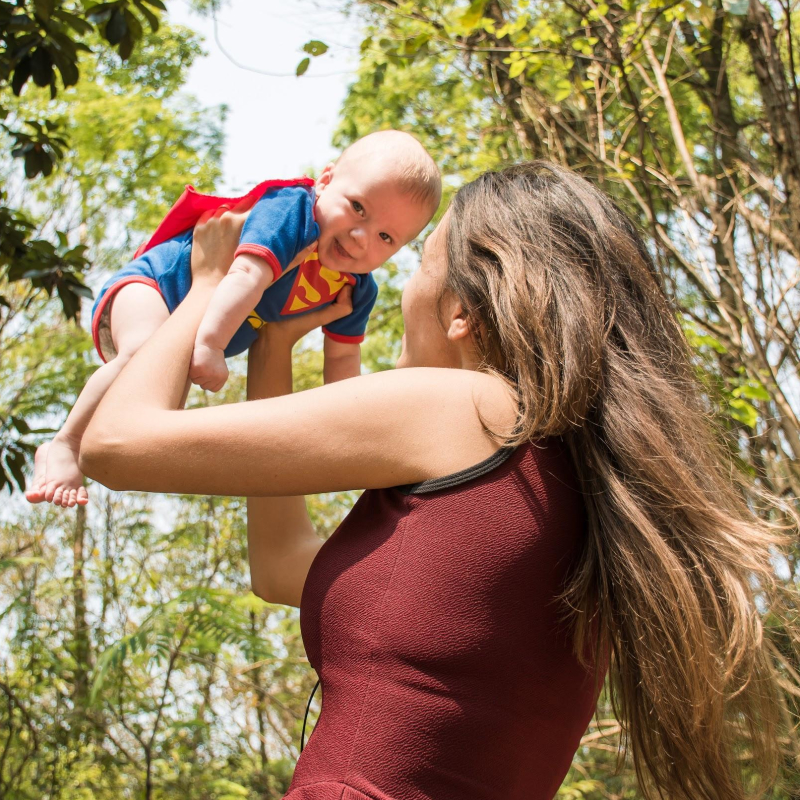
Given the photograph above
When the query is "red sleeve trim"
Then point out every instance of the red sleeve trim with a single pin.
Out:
(107, 298)
(262, 252)
(340, 337)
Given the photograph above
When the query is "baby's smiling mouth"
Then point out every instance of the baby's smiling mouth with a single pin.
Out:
(340, 251)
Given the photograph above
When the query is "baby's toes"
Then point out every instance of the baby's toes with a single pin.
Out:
(58, 495)
(34, 493)
(82, 497)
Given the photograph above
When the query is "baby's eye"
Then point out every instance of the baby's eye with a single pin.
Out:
(386, 238)
(358, 208)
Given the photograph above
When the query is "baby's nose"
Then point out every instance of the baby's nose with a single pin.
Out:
(359, 237)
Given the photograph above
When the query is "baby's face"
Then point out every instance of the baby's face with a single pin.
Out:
(364, 219)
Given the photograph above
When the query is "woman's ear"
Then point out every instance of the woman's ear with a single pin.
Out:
(325, 177)
(459, 324)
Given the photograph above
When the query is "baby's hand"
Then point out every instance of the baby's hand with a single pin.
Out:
(208, 368)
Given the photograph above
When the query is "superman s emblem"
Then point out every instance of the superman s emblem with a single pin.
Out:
(314, 286)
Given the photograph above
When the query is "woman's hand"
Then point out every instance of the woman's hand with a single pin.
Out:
(269, 363)
(215, 239)
(291, 330)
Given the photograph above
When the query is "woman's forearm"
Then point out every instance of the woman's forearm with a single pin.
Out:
(269, 369)
(340, 368)
(281, 540)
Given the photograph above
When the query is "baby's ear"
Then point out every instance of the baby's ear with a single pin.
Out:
(325, 177)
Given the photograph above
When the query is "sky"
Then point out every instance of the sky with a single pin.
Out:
(277, 127)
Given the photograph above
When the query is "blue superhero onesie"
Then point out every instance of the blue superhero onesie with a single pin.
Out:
(279, 226)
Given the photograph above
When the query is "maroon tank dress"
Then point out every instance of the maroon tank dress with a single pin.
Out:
(447, 672)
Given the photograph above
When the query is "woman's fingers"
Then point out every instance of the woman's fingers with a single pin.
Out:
(292, 329)
(340, 307)
(302, 255)
(215, 239)
(237, 209)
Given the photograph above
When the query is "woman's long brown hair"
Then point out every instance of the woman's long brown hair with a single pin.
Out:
(566, 304)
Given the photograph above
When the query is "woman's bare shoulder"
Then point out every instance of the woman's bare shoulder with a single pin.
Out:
(471, 390)
(459, 383)
(446, 412)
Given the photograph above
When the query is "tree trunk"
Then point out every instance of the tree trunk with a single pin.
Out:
(780, 107)
(81, 647)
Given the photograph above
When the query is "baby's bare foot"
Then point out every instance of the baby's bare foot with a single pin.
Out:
(35, 492)
(64, 481)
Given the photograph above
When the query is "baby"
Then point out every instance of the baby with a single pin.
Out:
(377, 197)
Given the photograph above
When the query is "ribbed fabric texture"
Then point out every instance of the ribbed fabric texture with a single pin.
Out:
(431, 620)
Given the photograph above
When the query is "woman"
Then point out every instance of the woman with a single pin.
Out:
(560, 506)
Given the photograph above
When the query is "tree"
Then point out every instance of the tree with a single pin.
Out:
(41, 41)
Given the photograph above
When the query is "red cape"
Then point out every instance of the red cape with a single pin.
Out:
(191, 205)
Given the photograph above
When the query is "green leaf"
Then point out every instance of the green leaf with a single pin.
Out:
(20, 425)
(134, 26)
(21, 75)
(472, 17)
(743, 411)
(37, 162)
(563, 90)
(68, 69)
(517, 68)
(20, 561)
(315, 47)
(302, 66)
(752, 390)
(41, 67)
(116, 28)
(379, 74)
(15, 461)
(230, 788)
(250, 602)
(101, 12)
(75, 22)
(126, 46)
(151, 18)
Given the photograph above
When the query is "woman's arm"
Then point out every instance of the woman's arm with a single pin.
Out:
(281, 540)
(342, 360)
(378, 430)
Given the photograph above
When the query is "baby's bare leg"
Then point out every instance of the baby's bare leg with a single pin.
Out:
(137, 312)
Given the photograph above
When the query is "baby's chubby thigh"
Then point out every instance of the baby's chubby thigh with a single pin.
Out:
(137, 312)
